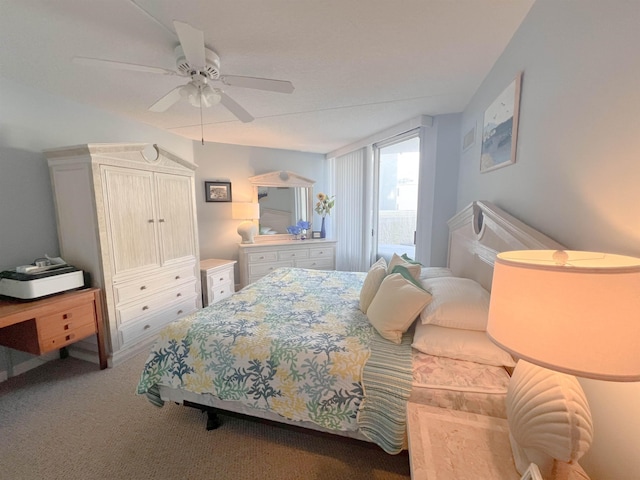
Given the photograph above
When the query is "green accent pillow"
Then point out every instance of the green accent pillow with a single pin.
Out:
(404, 271)
(408, 259)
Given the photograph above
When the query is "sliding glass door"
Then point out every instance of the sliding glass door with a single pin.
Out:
(397, 163)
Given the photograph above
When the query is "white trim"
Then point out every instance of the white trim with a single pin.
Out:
(421, 121)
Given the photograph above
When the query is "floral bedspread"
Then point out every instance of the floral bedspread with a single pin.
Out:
(294, 342)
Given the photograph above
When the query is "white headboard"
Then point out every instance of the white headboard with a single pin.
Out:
(480, 231)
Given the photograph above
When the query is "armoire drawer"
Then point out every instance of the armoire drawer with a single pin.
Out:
(155, 303)
(151, 325)
(149, 284)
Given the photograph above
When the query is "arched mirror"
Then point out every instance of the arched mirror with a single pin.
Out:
(284, 198)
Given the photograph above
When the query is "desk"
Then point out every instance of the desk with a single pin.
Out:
(52, 323)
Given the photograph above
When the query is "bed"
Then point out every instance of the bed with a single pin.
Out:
(297, 347)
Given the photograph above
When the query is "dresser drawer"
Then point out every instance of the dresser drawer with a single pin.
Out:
(66, 338)
(263, 257)
(316, 264)
(155, 303)
(323, 252)
(293, 254)
(66, 321)
(149, 284)
(261, 270)
(151, 325)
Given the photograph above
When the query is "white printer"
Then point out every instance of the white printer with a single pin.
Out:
(30, 282)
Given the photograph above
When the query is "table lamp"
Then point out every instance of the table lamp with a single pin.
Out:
(562, 313)
(247, 212)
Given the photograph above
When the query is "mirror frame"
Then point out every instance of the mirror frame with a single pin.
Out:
(282, 178)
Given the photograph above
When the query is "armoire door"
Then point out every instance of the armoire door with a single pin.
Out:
(132, 227)
(175, 217)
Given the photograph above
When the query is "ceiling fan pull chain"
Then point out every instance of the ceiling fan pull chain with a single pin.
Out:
(201, 123)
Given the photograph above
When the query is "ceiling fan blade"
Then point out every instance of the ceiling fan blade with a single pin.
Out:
(96, 62)
(192, 42)
(235, 108)
(281, 86)
(169, 99)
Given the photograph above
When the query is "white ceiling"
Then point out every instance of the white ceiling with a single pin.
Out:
(358, 66)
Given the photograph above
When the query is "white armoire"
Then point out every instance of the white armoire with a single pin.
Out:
(126, 214)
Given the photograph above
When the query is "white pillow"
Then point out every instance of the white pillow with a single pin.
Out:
(470, 345)
(372, 282)
(395, 306)
(457, 303)
(414, 268)
(434, 272)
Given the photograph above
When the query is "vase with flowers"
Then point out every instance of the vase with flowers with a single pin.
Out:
(323, 208)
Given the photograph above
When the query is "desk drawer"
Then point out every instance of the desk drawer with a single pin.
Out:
(67, 321)
(66, 338)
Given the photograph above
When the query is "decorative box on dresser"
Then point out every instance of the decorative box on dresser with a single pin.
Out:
(218, 280)
(129, 219)
(260, 258)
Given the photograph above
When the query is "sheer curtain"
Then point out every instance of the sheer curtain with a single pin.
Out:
(351, 220)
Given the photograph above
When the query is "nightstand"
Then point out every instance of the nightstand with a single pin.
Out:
(449, 444)
(217, 280)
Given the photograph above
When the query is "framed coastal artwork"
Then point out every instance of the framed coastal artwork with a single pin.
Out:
(500, 128)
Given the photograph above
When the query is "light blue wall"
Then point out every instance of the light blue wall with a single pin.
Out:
(577, 172)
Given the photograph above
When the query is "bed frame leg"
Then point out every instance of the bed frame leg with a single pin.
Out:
(213, 422)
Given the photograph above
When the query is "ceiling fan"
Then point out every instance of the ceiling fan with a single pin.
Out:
(202, 65)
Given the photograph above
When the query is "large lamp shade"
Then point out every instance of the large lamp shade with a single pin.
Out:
(569, 311)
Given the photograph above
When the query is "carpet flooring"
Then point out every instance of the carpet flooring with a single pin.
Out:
(69, 420)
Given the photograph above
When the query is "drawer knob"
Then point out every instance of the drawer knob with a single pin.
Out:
(221, 278)
(177, 277)
(145, 307)
(143, 287)
(67, 326)
(179, 295)
(150, 221)
(161, 220)
(66, 316)
(179, 312)
(146, 327)
(71, 336)
(262, 257)
(221, 292)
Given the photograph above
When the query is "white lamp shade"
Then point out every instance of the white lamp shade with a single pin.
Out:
(245, 211)
(574, 312)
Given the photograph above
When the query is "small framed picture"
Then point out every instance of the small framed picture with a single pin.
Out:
(315, 234)
(217, 191)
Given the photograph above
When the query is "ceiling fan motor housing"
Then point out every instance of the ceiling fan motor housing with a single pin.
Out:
(211, 70)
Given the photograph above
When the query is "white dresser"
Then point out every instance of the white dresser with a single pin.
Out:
(218, 280)
(259, 259)
(130, 222)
